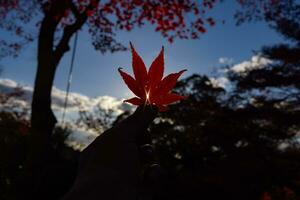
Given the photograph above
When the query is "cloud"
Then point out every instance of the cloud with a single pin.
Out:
(256, 62)
(80, 137)
(242, 68)
(8, 83)
(219, 81)
(225, 60)
(76, 101)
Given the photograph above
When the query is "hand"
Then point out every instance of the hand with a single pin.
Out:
(109, 167)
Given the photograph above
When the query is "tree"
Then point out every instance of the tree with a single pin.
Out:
(233, 147)
(97, 120)
(241, 143)
(64, 18)
(275, 90)
(14, 134)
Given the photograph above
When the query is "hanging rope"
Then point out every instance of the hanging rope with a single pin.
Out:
(69, 77)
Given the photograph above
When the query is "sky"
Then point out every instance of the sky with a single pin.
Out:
(96, 74)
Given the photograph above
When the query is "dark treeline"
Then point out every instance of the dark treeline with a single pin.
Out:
(239, 143)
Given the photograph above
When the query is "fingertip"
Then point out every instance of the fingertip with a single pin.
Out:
(147, 112)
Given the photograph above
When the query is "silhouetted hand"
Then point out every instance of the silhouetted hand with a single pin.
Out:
(109, 167)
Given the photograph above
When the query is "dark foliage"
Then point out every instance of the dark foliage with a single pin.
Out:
(57, 176)
(213, 150)
(242, 143)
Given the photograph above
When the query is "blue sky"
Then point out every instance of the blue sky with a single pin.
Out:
(96, 74)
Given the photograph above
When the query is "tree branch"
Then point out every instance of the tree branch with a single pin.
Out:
(63, 45)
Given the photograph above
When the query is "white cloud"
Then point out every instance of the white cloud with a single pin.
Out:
(225, 60)
(8, 83)
(76, 101)
(256, 62)
(219, 81)
(79, 138)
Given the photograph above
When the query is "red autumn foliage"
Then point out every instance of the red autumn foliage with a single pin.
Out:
(103, 19)
(150, 87)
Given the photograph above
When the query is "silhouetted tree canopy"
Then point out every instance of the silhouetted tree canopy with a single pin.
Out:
(103, 20)
(241, 142)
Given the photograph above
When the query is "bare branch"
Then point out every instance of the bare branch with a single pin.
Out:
(63, 45)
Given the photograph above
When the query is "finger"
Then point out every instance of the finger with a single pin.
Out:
(136, 124)
(144, 138)
(146, 114)
(147, 154)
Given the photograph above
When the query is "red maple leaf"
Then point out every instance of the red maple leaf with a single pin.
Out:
(150, 87)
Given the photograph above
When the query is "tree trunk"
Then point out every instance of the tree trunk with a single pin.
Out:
(42, 118)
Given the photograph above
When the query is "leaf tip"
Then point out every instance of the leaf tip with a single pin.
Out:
(182, 71)
(120, 70)
(131, 45)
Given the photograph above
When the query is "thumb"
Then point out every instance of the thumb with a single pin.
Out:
(145, 114)
(138, 122)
